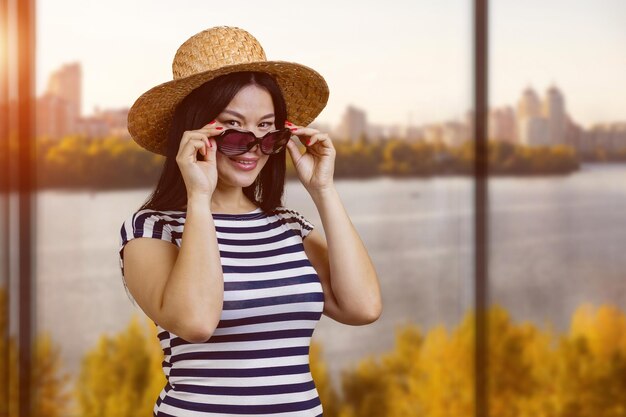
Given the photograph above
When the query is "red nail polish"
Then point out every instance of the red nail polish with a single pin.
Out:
(289, 124)
(212, 122)
(219, 128)
(293, 128)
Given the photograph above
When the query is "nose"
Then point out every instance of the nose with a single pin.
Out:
(257, 146)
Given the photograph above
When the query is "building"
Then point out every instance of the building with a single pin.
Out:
(608, 136)
(541, 125)
(353, 125)
(554, 111)
(529, 105)
(502, 124)
(53, 117)
(534, 131)
(433, 133)
(105, 122)
(454, 133)
(60, 107)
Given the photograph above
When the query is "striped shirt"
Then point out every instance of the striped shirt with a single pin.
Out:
(256, 363)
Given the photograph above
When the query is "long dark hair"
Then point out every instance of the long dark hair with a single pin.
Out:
(201, 106)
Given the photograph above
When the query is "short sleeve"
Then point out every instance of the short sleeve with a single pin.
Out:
(144, 223)
(295, 221)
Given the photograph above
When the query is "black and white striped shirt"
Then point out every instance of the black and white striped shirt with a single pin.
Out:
(257, 360)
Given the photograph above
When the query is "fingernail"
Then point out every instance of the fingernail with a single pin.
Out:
(293, 128)
(219, 128)
(212, 122)
(289, 123)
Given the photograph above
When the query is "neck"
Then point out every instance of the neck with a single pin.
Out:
(227, 199)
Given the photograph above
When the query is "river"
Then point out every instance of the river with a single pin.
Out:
(555, 242)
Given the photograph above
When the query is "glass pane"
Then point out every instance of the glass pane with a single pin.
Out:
(399, 117)
(557, 208)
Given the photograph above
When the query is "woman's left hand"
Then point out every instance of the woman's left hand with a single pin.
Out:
(316, 166)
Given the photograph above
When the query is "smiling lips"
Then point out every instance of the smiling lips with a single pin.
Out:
(245, 164)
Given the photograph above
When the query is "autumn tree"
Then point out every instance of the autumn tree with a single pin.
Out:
(122, 376)
(49, 394)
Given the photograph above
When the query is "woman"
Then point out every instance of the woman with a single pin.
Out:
(234, 281)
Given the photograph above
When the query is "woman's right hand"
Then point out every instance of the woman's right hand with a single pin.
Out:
(199, 175)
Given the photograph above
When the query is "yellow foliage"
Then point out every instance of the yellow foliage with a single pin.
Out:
(122, 376)
(529, 374)
(49, 395)
(604, 329)
(532, 372)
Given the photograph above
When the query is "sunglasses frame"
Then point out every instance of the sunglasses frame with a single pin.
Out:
(257, 140)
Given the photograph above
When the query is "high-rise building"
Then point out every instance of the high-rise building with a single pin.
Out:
(534, 131)
(353, 125)
(59, 109)
(66, 83)
(554, 111)
(529, 104)
(544, 123)
(53, 117)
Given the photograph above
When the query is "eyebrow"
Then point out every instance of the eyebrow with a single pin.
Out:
(241, 116)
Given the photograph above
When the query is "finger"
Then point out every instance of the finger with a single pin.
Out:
(193, 145)
(321, 138)
(202, 139)
(294, 151)
(191, 135)
(211, 129)
(307, 131)
(211, 151)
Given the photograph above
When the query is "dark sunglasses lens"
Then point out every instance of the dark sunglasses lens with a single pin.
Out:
(235, 143)
(274, 142)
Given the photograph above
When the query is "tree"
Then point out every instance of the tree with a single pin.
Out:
(50, 399)
(122, 376)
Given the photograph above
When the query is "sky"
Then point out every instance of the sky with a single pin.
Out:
(401, 61)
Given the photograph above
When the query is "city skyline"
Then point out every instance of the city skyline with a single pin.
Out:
(135, 54)
(533, 121)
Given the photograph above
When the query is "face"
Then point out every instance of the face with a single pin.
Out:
(251, 109)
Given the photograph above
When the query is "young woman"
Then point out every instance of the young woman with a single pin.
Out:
(234, 281)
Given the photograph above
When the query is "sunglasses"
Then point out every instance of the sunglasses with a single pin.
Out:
(232, 142)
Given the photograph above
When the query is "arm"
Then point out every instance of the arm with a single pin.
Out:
(180, 289)
(351, 288)
(195, 288)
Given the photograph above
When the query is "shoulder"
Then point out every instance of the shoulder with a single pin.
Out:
(294, 220)
(157, 224)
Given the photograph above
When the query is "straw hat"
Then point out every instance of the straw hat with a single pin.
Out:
(208, 54)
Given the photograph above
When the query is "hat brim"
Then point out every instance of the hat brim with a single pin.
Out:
(304, 89)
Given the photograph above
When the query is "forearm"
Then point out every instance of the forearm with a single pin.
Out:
(195, 288)
(352, 274)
